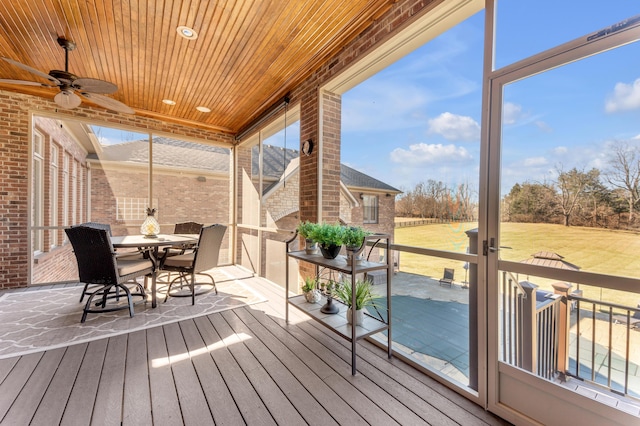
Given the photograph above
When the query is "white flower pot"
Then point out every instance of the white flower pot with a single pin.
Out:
(311, 247)
(313, 296)
(359, 316)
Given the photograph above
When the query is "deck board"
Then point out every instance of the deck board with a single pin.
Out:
(22, 409)
(276, 403)
(108, 406)
(136, 408)
(242, 366)
(164, 398)
(247, 400)
(190, 394)
(300, 398)
(80, 405)
(12, 385)
(51, 408)
(294, 359)
(219, 398)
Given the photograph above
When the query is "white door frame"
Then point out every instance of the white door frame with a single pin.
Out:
(512, 393)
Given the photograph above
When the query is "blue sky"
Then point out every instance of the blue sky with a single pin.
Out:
(419, 119)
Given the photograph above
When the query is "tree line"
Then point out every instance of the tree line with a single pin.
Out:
(607, 198)
(435, 200)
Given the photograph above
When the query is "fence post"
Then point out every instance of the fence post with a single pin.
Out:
(529, 334)
(563, 289)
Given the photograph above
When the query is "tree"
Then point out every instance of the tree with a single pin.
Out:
(624, 172)
(530, 202)
(573, 185)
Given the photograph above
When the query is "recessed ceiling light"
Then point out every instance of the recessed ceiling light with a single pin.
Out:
(203, 109)
(169, 102)
(186, 32)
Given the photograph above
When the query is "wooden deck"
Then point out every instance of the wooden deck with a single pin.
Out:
(244, 366)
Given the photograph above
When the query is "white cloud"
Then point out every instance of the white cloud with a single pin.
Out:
(422, 154)
(543, 126)
(455, 127)
(511, 112)
(636, 138)
(624, 97)
(560, 150)
(535, 161)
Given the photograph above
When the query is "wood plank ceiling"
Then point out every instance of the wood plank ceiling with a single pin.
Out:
(248, 53)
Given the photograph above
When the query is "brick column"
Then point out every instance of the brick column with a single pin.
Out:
(331, 111)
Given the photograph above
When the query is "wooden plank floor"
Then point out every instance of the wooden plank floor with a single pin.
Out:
(243, 366)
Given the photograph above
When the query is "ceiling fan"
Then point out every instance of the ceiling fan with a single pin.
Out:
(71, 85)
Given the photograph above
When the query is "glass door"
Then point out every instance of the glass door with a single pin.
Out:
(562, 234)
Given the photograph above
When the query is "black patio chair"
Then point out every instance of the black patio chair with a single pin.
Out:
(203, 257)
(447, 277)
(99, 264)
(127, 255)
(182, 228)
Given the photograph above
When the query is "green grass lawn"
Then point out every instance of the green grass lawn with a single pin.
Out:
(594, 250)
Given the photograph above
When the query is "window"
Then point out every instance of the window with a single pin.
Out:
(370, 209)
(37, 207)
(132, 208)
(65, 190)
(54, 195)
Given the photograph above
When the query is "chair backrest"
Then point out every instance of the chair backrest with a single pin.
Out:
(187, 228)
(94, 254)
(448, 273)
(98, 225)
(208, 247)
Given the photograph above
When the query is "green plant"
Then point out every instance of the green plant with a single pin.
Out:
(353, 236)
(327, 234)
(309, 284)
(364, 296)
(306, 228)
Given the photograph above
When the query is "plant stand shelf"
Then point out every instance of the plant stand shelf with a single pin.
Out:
(338, 322)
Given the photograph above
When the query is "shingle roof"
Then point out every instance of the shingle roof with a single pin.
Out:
(177, 153)
(352, 177)
(169, 152)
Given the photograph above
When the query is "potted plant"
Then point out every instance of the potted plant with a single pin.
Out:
(310, 290)
(364, 298)
(353, 238)
(329, 238)
(305, 230)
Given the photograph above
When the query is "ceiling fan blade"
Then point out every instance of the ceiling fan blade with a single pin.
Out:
(94, 85)
(67, 99)
(32, 70)
(23, 82)
(108, 103)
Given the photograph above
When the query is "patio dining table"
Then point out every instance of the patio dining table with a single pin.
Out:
(135, 241)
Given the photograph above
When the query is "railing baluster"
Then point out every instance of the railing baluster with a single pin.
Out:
(578, 339)
(626, 362)
(610, 346)
(505, 333)
(593, 342)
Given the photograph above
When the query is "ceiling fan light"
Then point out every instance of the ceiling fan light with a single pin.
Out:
(67, 99)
